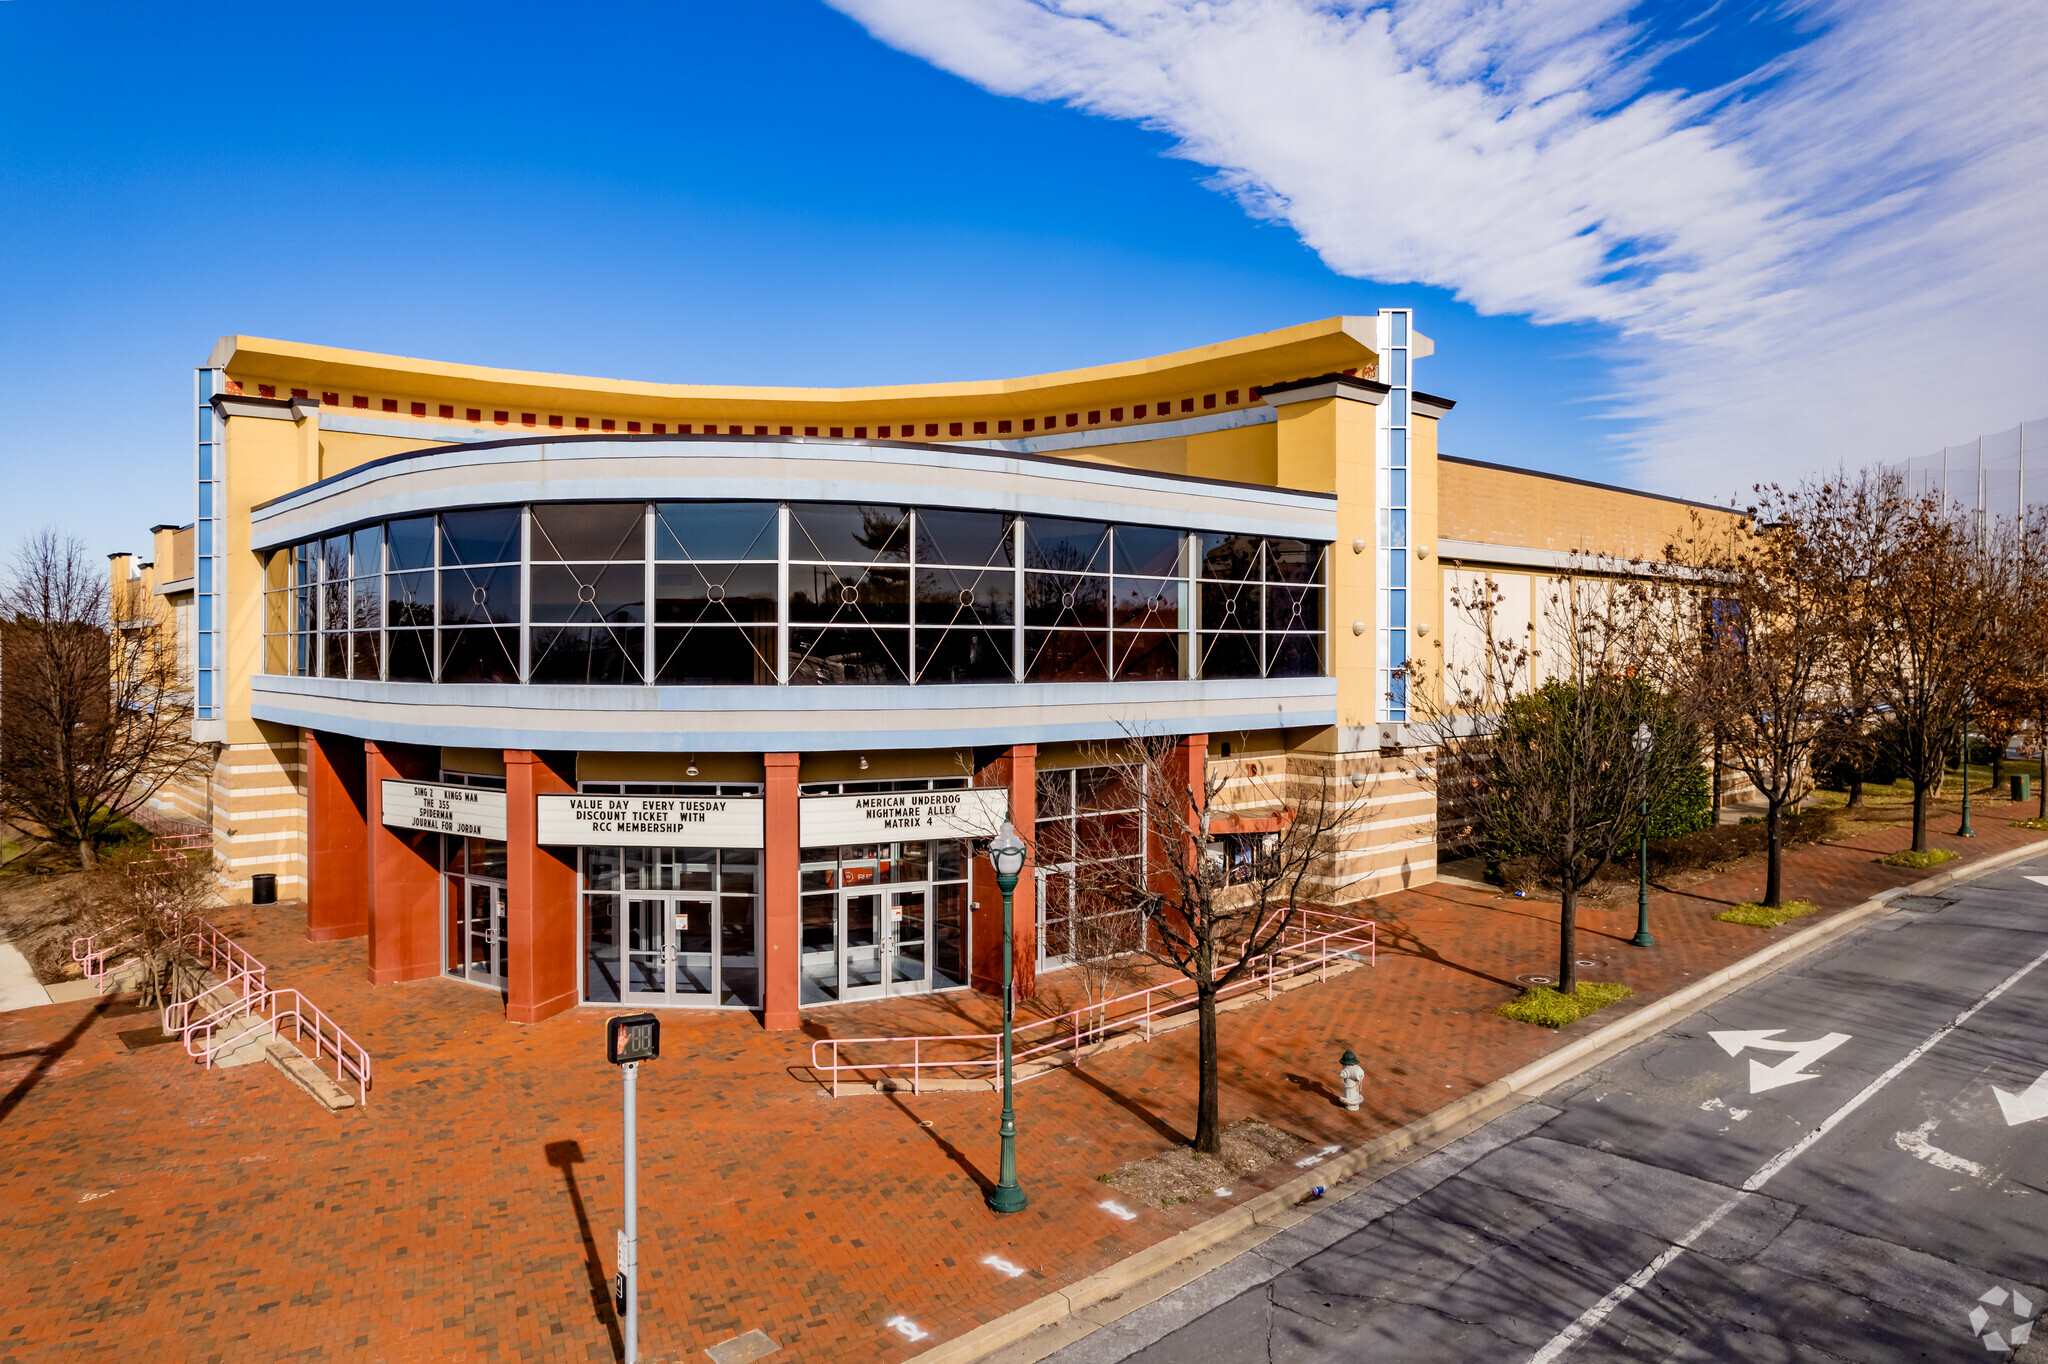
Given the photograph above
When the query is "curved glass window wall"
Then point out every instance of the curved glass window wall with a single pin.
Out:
(796, 593)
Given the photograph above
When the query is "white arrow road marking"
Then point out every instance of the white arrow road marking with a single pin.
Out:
(1915, 1143)
(2019, 1108)
(1589, 1320)
(2039, 880)
(1792, 1069)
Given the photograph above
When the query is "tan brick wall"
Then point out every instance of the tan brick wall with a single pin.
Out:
(1510, 507)
(259, 814)
(1389, 840)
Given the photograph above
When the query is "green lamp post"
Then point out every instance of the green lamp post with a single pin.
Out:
(1966, 831)
(1643, 743)
(1006, 854)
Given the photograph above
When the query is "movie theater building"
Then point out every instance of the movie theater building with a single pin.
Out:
(584, 690)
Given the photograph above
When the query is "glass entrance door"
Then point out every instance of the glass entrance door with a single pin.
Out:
(909, 940)
(484, 931)
(883, 919)
(670, 949)
(862, 949)
(885, 942)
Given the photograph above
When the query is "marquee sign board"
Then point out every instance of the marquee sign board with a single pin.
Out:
(466, 811)
(582, 821)
(902, 816)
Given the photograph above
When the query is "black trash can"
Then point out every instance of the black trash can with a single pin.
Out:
(263, 889)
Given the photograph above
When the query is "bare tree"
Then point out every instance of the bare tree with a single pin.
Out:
(161, 893)
(95, 717)
(1217, 892)
(1844, 525)
(1932, 599)
(1535, 723)
(1769, 656)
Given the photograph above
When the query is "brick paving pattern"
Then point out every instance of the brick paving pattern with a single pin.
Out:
(154, 1211)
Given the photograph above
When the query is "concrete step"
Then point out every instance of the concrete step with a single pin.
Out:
(244, 1040)
(304, 1072)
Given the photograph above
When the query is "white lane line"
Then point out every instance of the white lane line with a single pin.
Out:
(1590, 1319)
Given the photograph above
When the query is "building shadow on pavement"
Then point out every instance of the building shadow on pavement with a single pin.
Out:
(50, 1055)
(566, 1156)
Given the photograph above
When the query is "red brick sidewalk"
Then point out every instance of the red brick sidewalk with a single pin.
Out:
(153, 1211)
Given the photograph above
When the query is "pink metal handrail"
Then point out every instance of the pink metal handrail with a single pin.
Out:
(351, 1060)
(1071, 1031)
(205, 1029)
(92, 960)
(219, 953)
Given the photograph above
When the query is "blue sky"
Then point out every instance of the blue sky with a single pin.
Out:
(763, 193)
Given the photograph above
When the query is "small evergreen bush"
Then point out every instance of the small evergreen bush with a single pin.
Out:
(1547, 1008)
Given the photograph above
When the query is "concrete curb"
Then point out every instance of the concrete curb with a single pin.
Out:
(1517, 1086)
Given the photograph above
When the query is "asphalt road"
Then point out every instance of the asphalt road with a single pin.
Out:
(1677, 1203)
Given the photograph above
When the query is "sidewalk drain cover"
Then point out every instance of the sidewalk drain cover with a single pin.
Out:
(1535, 980)
(137, 1038)
(756, 1344)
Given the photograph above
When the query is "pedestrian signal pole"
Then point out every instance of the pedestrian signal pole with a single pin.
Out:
(629, 1041)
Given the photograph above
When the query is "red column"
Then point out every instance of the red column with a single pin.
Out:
(337, 838)
(782, 919)
(405, 880)
(1191, 763)
(1018, 770)
(540, 903)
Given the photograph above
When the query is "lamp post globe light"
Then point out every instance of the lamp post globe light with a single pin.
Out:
(1006, 855)
(1643, 743)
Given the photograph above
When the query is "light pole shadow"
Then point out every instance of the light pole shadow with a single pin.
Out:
(566, 1156)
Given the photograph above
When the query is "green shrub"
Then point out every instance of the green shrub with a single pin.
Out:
(1685, 806)
(1920, 861)
(1547, 1008)
(1764, 916)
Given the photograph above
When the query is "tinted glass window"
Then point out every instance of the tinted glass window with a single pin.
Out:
(1230, 557)
(368, 544)
(1149, 550)
(1069, 546)
(480, 537)
(972, 539)
(1292, 561)
(589, 530)
(714, 530)
(848, 533)
(412, 542)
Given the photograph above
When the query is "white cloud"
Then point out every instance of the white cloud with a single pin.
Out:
(1845, 256)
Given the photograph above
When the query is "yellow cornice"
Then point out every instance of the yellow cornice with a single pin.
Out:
(1323, 346)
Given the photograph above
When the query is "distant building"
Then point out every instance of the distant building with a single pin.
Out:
(595, 690)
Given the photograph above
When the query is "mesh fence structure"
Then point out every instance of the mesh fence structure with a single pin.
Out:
(1997, 476)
